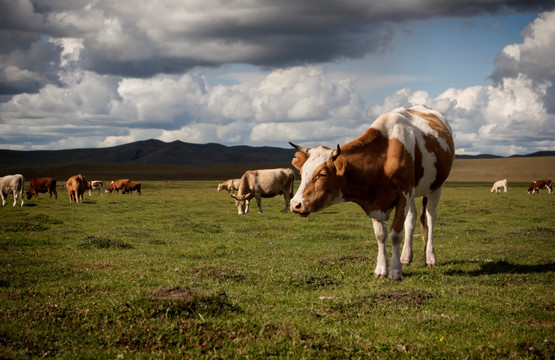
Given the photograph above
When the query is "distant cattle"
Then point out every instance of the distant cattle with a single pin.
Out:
(405, 153)
(498, 185)
(116, 185)
(12, 184)
(537, 185)
(229, 185)
(76, 187)
(264, 183)
(130, 187)
(42, 185)
(96, 184)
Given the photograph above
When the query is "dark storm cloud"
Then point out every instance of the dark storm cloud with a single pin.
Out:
(142, 38)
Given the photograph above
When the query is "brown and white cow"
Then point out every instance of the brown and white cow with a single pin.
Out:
(130, 187)
(96, 184)
(76, 187)
(498, 185)
(537, 185)
(229, 185)
(405, 154)
(12, 184)
(42, 185)
(265, 183)
(116, 185)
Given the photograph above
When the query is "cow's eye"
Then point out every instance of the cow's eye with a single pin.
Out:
(322, 174)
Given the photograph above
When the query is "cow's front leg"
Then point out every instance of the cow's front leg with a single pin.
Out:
(380, 230)
(402, 208)
(247, 203)
(259, 203)
(3, 198)
(410, 223)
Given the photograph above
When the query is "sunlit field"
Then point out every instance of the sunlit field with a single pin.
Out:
(176, 273)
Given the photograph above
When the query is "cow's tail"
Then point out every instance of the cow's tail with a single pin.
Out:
(423, 221)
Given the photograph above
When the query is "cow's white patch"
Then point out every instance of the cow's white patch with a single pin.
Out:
(318, 156)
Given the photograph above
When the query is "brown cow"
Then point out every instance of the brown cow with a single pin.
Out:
(116, 185)
(264, 183)
(537, 185)
(42, 185)
(76, 187)
(404, 154)
(130, 187)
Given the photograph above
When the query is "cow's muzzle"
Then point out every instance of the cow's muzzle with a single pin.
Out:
(298, 208)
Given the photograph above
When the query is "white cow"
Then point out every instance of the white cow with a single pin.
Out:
(14, 184)
(498, 185)
(96, 184)
(229, 185)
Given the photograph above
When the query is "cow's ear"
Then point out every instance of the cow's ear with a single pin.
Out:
(340, 165)
(299, 160)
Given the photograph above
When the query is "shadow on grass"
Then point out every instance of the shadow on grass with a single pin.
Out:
(504, 267)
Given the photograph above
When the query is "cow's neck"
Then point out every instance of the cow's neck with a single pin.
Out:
(364, 174)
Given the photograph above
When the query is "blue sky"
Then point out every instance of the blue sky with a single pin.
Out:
(75, 73)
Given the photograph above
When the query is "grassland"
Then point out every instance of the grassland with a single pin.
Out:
(176, 273)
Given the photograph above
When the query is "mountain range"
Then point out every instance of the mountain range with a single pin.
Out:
(173, 153)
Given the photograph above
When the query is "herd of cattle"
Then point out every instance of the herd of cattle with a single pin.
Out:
(76, 186)
(405, 154)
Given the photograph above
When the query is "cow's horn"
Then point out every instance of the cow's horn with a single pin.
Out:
(302, 149)
(335, 153)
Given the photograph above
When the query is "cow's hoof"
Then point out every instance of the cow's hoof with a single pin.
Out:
(405, 263)
(380, 276)
(430, 265)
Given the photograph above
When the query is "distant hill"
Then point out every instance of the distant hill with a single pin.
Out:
(151, 152)
(174, 153)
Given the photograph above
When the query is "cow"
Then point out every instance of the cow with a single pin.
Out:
(264, 183)
(95, 184)
(229, 185)
(42, 185)
(116, 185)
(498, 185)
(406, 153)
(76, 187)
(540, 184)
(130, 187)
(12, 184)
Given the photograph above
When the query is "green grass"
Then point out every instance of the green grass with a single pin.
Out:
(176, 273)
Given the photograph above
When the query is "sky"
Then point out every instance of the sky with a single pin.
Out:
(89, 74)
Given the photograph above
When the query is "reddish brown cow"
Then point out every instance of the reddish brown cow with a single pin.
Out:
(537, 185)
(42, 185)
(130, 187)
(117, 185)
(406, 153)
(76, 187)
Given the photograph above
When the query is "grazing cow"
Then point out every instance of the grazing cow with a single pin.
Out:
(537, 185)
(116, 185)
(229, 185)
(130, 187)
(42, 185)
(498, 185)
(96, 184)
(264, 183)
(12, 184)
(406, 153)
(76, 187)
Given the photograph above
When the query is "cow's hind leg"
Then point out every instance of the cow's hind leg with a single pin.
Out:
(380, 230)
(428, 218)
(410, 223)
(401, 210)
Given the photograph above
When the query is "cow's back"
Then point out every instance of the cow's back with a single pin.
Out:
(426, 137)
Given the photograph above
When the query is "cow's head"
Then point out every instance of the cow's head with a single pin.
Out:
(322, 171)
(30, 194)
(242, 202)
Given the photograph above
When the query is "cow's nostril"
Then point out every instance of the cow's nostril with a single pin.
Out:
(298, 205)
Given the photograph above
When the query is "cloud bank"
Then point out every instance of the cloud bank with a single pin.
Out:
(87, 74)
